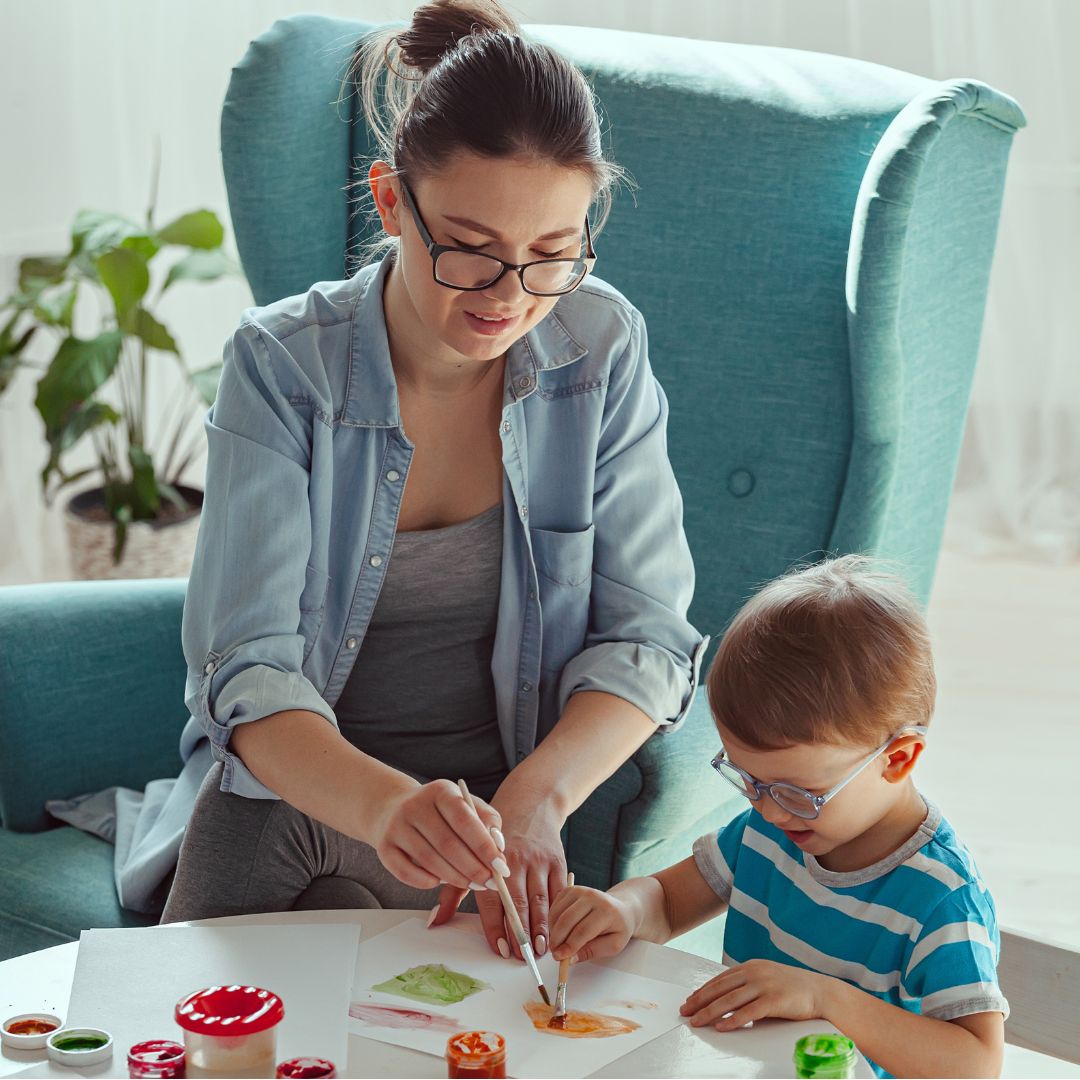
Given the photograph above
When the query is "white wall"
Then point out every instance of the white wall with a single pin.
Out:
(87, 87)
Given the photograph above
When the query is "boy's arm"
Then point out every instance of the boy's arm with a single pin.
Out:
(669, 902)
(906, 1044)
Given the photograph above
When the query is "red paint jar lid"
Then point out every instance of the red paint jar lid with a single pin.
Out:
(306, 1068)
(229, 1010)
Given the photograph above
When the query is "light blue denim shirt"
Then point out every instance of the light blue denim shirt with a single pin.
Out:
(307, 463)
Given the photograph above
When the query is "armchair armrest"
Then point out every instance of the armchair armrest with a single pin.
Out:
(91, 690)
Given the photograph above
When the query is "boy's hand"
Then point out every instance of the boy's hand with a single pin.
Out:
(756, 990)
(586, 924)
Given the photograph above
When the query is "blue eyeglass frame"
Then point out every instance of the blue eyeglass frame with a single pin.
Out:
(753, 789)
(435, 250)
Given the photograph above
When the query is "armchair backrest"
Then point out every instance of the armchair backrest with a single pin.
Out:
(810, 246)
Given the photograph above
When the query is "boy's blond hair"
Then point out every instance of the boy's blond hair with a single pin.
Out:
(837, 652)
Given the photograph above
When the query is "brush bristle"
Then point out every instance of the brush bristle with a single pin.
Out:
(544, 994)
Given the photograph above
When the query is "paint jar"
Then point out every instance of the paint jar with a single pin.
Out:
(306, 1068)
(478, 1054)
(824, 1057)
(28, 1031)
(230, 1031)
(157, 1059)
(75, 1048)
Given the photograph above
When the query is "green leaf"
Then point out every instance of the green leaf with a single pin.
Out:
(122, 516)
(58, 307)
(154, 333)
(202, 266)
(36, 271)
(95, 232)
(125, 274)
(206, 380)
(199, 229)
(63, 437)
(77, 370)
(146, 499)
(146, 246)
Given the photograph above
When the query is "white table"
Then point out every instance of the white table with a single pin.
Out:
(43, 980)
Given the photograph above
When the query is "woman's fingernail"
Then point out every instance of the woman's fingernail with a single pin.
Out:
(497, 836)
(431, 917)
(476, 888)
(491, 885)
(574, 959)
(504, 949)
(540, 943)
(500, 868)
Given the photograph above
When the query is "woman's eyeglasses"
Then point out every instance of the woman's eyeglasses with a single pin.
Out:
(469, 271)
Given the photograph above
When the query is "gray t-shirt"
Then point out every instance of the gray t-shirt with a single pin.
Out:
(420, 696)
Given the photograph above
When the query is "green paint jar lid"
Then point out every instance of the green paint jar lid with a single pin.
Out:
(76, 1047)
(824, 1057)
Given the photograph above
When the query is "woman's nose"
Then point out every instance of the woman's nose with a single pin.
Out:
(507, 290)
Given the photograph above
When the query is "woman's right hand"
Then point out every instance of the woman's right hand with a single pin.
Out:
(427, 834)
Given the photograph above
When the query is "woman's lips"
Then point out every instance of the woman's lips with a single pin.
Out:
(490, 327)
(798, 836)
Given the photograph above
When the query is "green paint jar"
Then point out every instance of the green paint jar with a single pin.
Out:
(824, 1057)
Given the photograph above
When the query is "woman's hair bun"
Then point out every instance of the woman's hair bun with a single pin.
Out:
(438, 27)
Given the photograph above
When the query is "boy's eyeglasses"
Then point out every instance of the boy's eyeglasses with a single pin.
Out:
(795, 800)
(469, 271)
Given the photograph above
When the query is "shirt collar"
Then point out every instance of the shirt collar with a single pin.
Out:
(371, 398)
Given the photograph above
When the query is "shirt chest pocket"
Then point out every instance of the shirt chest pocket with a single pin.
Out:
(564, 576)
(312, 606)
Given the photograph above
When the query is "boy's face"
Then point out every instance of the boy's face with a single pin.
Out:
(818, 767)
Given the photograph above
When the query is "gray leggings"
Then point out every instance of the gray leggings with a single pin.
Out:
(242, 856)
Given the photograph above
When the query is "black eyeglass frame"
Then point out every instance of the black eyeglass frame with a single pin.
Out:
(435, 250)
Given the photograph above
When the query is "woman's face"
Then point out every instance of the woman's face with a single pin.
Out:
(515, 209)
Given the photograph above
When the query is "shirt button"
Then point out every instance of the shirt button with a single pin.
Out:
(393, 475)
(526, 687)
(524, 510)
(524, 382)
(351, 643)
(375, 560)
(210, 668)
(532, 594)
(506, 426)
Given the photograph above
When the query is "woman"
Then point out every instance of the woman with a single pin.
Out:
(441, 537)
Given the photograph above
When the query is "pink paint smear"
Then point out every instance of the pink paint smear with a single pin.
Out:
(393, 1017)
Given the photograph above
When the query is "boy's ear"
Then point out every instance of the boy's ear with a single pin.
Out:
(902, 755)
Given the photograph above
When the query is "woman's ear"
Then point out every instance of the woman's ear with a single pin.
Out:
(902, 754)
(385, 192)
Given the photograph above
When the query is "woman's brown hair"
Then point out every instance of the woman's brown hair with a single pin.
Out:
(838, 652)
(462, 77)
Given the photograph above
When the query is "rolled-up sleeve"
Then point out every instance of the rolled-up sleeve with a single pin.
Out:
(241, 627)
(639, 646)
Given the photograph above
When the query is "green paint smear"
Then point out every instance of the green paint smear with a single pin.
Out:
(433, 984)
(84, 1042)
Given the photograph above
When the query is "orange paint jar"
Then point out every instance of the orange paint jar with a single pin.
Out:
(476, 1054)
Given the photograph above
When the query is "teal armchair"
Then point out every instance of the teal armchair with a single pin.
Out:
(810, 244)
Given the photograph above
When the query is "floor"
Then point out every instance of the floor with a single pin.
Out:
(1004, 747)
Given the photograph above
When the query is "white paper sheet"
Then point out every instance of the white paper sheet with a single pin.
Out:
(129, 981)
(530, 1053)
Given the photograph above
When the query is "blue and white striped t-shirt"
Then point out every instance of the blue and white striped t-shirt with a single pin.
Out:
(917, 929)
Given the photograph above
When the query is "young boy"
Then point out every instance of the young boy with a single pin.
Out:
(849, 896)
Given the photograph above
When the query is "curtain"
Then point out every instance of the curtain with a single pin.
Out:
(88, 88)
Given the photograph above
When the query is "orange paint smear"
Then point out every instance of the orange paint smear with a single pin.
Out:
(578, 1025)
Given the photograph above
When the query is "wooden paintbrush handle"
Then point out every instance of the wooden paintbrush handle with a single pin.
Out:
(564, 965)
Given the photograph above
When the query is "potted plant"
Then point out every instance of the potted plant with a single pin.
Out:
(138, 520)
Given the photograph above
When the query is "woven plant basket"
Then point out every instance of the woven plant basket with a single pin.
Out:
(159, 548)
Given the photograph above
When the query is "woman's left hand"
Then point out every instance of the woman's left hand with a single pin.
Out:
(533, 848)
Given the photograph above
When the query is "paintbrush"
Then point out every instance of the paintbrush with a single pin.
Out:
(511, 913)
(559, 1019)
